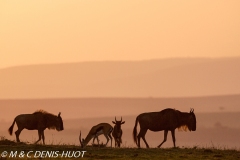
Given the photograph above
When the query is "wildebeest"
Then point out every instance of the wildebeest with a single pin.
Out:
(167, 120)
(117, 132)
(102, 128)
(39, 120)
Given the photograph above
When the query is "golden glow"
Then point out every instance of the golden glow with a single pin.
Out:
(43, 31)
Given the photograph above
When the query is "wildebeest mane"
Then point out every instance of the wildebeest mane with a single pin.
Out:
(182, 120)
(183, 128)
(42, 112)
(48, 117)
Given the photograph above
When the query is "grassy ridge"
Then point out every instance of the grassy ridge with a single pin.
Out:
(119, 153)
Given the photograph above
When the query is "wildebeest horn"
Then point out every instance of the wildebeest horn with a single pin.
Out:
(59, 114)
(121, 119)
(115, 119)
(191, 110)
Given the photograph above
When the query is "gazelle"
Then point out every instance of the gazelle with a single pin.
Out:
(102, 128)
(117, 132)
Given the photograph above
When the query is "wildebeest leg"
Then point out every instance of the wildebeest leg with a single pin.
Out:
(165, 138)
(145, 141)
(142, 134)
(43, 137)
(173, 137)
(39, 136)
(17, 133)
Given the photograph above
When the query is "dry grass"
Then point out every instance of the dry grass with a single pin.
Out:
(102, 152)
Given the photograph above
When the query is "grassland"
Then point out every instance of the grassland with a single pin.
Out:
(195, 153)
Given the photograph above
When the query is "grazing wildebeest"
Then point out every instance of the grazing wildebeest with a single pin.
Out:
(167, 120)
(117, 132)
(102, 128)
(39, 120)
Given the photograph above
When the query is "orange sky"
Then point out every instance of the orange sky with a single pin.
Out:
(44, 31)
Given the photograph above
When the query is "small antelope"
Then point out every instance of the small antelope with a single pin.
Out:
(102, 128)
(117, 132)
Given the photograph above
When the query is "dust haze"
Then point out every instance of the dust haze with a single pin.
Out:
(89, 93)
(216, 122)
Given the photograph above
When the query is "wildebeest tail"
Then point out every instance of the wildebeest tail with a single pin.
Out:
(135, 131)
(11, 128)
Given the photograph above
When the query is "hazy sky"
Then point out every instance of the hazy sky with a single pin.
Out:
(53, 31)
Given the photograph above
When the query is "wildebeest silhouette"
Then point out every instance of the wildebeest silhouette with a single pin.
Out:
(39, 120)
(167, 120)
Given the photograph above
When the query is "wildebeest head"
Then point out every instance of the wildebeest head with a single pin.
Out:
(192, 121)
(118, 123)
(59, 125)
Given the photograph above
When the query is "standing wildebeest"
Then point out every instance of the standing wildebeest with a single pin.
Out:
(39, 120)
(167, 120)
(117, 132)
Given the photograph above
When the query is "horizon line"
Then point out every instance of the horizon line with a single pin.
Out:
(107, 61)
(149, 97)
